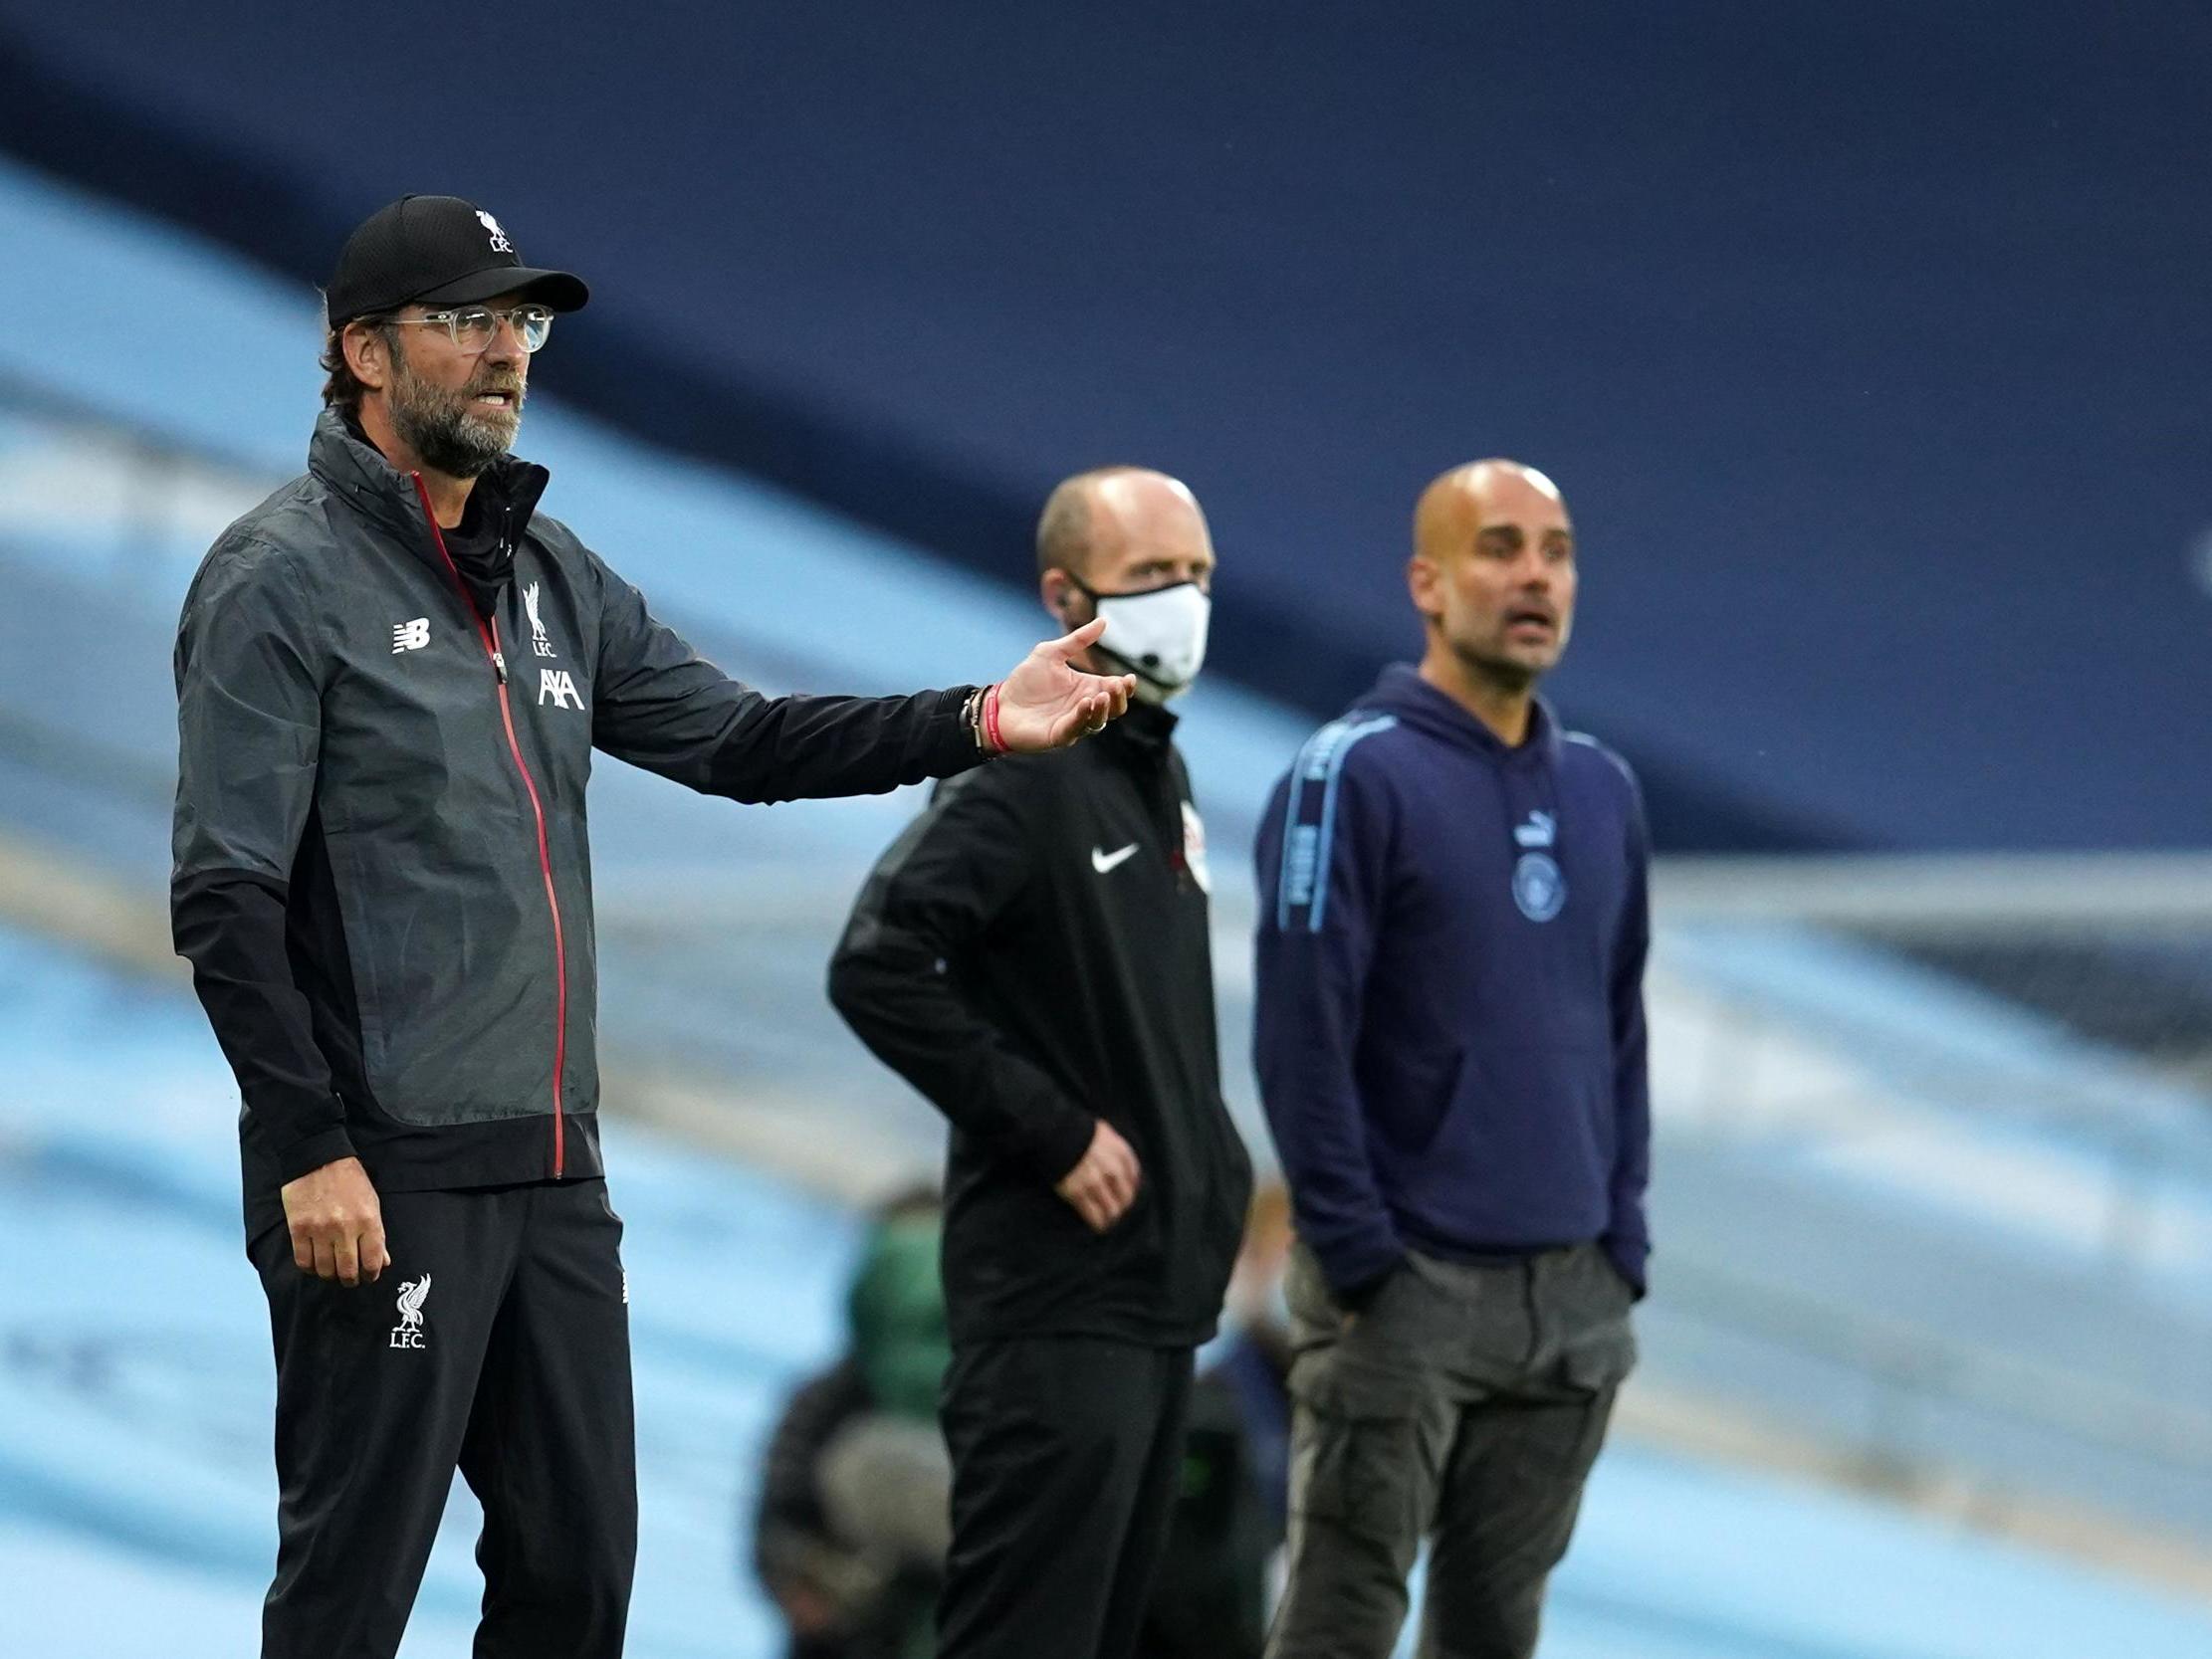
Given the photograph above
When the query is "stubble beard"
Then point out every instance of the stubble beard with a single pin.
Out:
(1503, 673)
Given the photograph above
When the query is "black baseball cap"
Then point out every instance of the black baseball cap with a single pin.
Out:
(437, 251)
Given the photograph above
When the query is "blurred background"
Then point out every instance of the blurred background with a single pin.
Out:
(1867, 343)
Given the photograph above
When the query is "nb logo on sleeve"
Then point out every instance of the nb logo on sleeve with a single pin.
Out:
(410, 636)
(557, 688)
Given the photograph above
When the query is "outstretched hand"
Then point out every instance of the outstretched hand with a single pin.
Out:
(1048, 703)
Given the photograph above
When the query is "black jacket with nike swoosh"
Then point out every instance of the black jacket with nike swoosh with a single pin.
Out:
(1033, 955)
(382, 874)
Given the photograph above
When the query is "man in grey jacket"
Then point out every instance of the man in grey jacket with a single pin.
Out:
(390, 679)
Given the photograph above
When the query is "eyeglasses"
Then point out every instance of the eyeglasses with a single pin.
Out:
(474, 327)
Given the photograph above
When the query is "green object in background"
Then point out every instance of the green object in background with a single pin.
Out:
(1197, 1479)
(899, 1335)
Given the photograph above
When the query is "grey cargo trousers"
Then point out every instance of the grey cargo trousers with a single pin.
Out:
(1464, 1403)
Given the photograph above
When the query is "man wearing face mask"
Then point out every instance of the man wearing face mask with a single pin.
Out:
(1033, 955)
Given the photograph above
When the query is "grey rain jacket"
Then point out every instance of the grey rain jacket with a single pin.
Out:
(383, 870)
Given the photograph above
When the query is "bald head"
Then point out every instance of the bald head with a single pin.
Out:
(1116, 532)
(1494, 574)
(1097, 516)
(1458, 503)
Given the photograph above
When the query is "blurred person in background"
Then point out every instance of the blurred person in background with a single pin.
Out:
(852, 1524)
(1032, 954)
(850, 1531)
(1253, 1362)
(1450, 1046)
(391, 677)
(1210, 1600)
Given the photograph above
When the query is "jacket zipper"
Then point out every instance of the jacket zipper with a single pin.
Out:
(487, 631)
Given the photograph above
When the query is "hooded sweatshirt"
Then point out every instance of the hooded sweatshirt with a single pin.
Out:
(1449, 1030)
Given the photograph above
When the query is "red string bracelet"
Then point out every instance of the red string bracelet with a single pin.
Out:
(991, 721)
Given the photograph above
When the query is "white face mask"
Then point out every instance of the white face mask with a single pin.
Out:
(1158, 635)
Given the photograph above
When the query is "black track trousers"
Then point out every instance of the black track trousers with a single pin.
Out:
(510, 1364)
(1067, 1454)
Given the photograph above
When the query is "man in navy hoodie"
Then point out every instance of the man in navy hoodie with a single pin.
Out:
(1451, 1048)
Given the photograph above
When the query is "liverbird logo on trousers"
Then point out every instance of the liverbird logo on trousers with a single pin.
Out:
(408, 1332)
(538, 640)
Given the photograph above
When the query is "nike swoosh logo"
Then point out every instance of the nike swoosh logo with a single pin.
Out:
(1104, 862)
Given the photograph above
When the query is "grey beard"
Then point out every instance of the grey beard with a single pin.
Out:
(439, 428)
(449, 440)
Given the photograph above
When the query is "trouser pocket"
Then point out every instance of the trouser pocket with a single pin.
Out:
(1592, 1309)
(1356, 1452)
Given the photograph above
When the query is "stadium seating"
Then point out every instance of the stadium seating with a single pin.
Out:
(136, 1504)
(1796, 1235)
(781, 592)
(1855, 333)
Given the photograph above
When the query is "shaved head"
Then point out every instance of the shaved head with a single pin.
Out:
(1457, 502)
(1098, 512)
(1493, 577)
(1113, 532)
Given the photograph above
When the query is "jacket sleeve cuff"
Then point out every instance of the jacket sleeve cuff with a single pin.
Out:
(949, 745)
(1355, 1271)
(1353, 1299)
(1630, 1259)
(303, 1157)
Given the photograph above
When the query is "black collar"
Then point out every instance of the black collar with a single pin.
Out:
(356, 473)
(1141, 737)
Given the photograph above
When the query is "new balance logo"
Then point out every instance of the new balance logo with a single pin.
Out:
(555, 686)
(408, 1332)
(410, 636)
